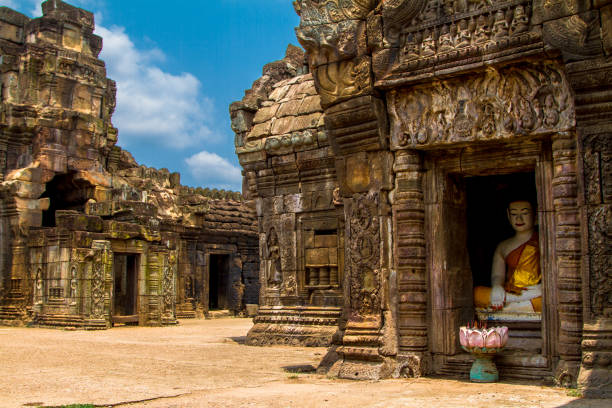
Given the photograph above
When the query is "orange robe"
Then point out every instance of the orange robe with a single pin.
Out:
(522, 270)
(523, 266)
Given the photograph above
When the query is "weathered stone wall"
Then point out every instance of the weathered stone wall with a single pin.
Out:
(290, 175)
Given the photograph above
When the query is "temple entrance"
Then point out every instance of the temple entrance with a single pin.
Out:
(125, 289)
(465, 221)
(218, 283)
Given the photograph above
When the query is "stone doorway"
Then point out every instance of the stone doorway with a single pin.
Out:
(125, 288)
(465, 221)
(218, 283)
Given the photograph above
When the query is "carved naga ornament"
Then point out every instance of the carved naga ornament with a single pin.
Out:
(333, 32)
(499, 104)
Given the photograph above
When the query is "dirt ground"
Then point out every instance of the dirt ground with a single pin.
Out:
(204, 363)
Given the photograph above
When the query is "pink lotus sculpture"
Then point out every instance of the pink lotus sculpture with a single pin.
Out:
(483, 338)
(483, 342)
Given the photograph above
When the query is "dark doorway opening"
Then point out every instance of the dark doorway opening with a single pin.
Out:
(218, 295)
(65, 192)
(487, 221)
(125, 288)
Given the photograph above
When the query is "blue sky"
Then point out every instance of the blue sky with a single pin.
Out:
(178, 66)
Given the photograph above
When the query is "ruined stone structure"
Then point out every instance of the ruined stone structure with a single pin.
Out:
(88, 238)
(377, 174)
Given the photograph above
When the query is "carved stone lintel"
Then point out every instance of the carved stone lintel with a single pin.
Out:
(498, 104)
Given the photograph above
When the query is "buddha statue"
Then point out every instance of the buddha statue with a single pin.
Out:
(515, 273)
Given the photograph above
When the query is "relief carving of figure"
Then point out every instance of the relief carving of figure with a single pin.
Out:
(428, 46)
(551, 114)
(483, 30)
(488, 126)
(520, 21)
(515, 272)
(527, 118)
(38, 293)
(410, 50)
(463, 35)
(500, 26)
(446, 40)
(274, 275)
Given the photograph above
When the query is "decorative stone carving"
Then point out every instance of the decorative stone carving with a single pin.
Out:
(514, 101)
(364, 255)
(597, 153)
(274, 273)
(342, 80)
(73, 284)
(97, 285)
(466, 33)
(168, 289)
(316, 12)
(289, 286)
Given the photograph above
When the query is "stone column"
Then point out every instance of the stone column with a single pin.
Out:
(410, 260)
(568, 255)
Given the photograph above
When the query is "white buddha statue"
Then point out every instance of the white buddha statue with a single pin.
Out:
(515, 274)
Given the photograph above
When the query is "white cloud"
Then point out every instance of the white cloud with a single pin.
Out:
(213, 170)
(153, 105)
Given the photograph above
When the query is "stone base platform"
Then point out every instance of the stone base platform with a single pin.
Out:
(294, 325)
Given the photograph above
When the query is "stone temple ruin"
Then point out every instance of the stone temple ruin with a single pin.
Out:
(88, 237)
(381, 174)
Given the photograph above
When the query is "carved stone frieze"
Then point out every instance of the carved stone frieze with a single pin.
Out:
(499, 104)
(445, 36)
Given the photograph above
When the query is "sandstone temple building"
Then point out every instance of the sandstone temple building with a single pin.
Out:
(423, 164)
(88, 238)
(419, 142)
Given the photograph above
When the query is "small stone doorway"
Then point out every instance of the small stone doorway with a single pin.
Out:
(218, 295)
(125, 288)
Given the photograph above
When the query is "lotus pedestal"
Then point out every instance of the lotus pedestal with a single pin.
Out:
(483, 369)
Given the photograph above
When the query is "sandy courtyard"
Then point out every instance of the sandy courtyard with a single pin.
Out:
(203, 363)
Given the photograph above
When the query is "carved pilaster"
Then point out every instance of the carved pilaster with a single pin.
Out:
(169, 289)
(410, 254)
(101, 282)
(568, 252)
(591, 82)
